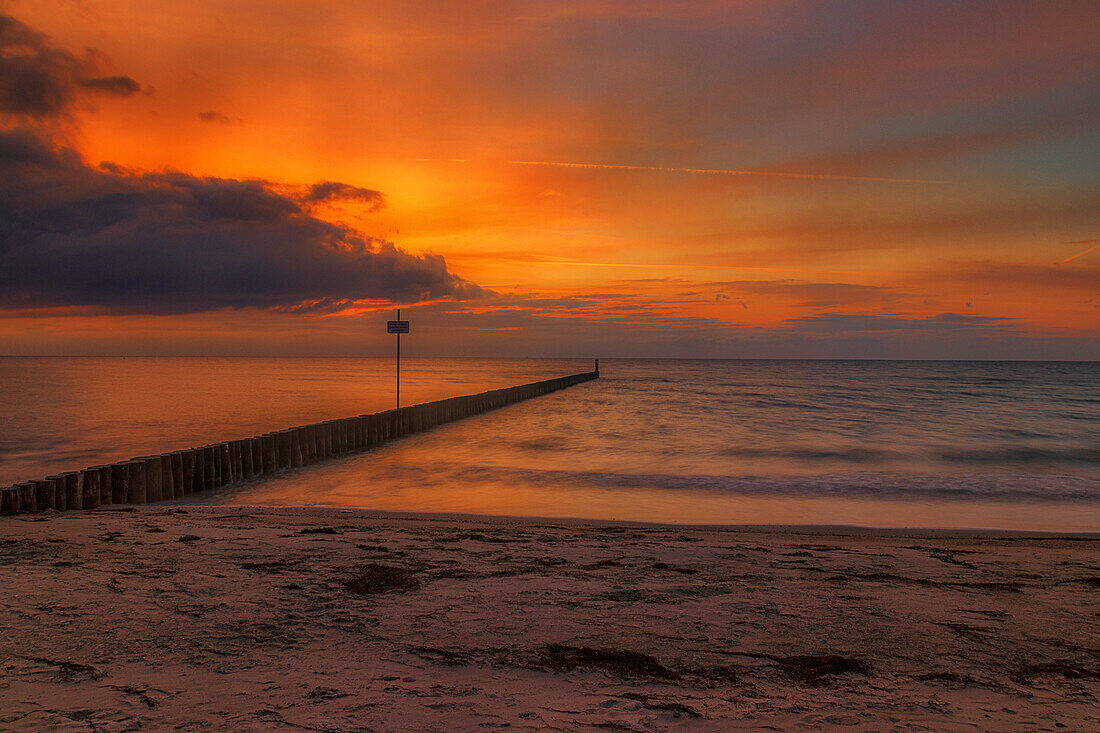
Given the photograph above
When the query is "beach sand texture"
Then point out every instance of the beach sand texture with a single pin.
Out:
(215, 618)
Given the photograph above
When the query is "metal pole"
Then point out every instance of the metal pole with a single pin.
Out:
(399, 362)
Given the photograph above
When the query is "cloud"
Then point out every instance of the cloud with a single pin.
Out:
(1055, 120)
(815, 294)
(216, 117)
(329, 191)
(843, 323)
(119, 86)
(1063, 278)
(170, 242)
(38, 80)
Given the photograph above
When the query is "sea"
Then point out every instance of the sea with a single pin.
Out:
(930, 444)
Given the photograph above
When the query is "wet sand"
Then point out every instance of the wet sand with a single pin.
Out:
(237, 618)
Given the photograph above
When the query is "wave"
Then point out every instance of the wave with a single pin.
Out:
(853, 455)
(1021, 454)
(1014, 454)
(856, 485)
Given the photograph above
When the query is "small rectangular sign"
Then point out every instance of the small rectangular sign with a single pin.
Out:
(397, 326)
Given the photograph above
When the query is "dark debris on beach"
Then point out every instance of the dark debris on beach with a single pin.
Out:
(374, 578)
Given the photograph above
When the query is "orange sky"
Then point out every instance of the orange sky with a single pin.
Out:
(881, 179)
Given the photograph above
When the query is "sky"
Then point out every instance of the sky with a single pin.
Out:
(904, 179)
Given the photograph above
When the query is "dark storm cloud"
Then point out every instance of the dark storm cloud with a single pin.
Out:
(26, 149)
(38, 80)
(170, 242)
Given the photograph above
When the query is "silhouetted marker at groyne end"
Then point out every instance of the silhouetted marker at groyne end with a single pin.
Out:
(185, 472)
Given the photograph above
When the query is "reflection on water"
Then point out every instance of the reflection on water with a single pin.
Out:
(1000, 444)
(60, 414)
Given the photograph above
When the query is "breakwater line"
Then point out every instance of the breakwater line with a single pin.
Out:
(185, 472)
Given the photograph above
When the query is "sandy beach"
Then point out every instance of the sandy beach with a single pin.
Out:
(212, 618)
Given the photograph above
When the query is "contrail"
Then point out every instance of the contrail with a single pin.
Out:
(724, 172)
(1079, 254)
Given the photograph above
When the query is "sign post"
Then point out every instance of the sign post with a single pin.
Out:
(399, 327)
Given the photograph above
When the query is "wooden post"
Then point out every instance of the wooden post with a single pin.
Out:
(308, 445)
(282, 443)
(227, 465)
(74, 498)
(196, 475)
(45, 494)
(106, 493)
(120, 483)
(199, 482)
(89, 487)
(28, 501)
(187, 458)
(167, 490)
(209, 467)
(136, 491)
(61, 502)
(215, 466)
(269, 453)
(296, 457)
(239, 466)
(246, 458)
(279, 451)
(216, 459)
(236, 470)
(177, 474)
(153, 490)
(9, 500)
(257, 456)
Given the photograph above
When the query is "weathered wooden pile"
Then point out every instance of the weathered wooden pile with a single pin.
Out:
(185, 472)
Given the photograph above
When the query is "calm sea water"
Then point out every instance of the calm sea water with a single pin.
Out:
(931, 444)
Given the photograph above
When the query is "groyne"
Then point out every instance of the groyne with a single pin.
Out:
(185, 472)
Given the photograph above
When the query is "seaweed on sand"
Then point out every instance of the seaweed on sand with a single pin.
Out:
(617, 662)
(815, 668)
(374, 578)
(649, 702)
(70, 671)
(1061, 668)
(561, 658)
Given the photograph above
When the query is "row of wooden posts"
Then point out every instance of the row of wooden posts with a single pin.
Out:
(185, 472)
